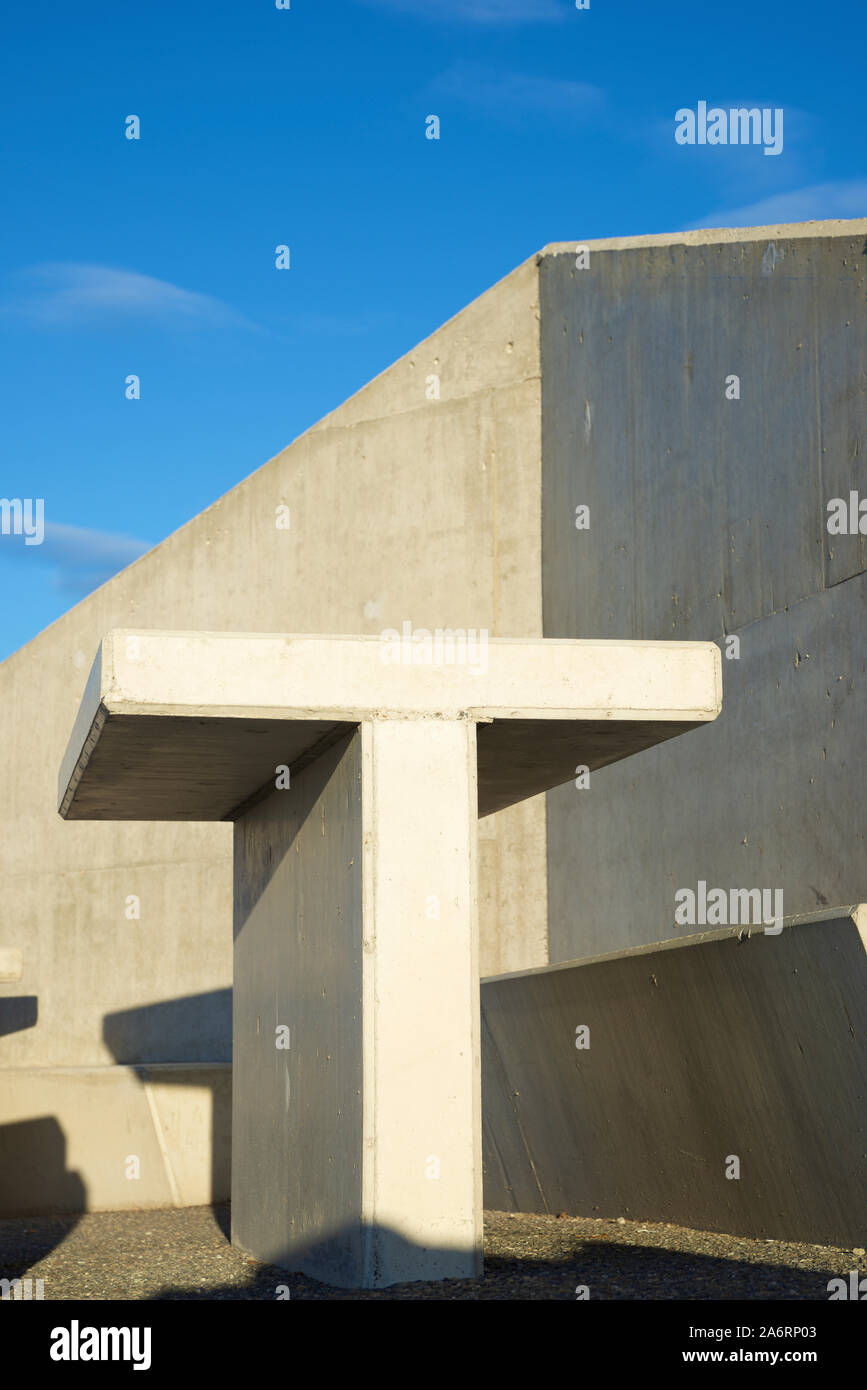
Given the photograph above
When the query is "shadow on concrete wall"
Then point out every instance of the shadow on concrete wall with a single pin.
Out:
(33, 1162)
(148, 1041)
(182, 1036)
(192, 1028)
(33, 1154)
(17, 1012)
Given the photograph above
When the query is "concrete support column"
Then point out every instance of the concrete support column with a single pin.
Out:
(357, 1108)
(422, 1088)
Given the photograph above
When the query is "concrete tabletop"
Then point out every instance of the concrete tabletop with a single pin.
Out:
(192, 725)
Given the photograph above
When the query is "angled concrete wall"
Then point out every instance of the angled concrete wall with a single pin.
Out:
(695, 1054)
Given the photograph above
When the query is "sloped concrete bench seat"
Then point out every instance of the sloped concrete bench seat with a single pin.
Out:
(354, 779)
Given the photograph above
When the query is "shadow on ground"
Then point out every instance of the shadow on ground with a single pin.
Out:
(185, 1255)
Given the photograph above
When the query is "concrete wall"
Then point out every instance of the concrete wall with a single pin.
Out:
(708, 519)
(401, 508)
(108, 1138)
(750, 1048)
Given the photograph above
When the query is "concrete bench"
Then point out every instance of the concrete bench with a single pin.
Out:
(354, 783)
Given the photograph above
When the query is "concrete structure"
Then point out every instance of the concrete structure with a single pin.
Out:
(728, 1045)
(709, 508)
(558, 387)
(356, 1151)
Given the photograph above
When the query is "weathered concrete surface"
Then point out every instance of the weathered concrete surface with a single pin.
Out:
(698, 1051)
(708, 520)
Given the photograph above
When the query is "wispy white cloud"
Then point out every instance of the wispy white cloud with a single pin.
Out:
(81, 559)
(817, 202)
(59, 294)
(515, 93)
(489, 12)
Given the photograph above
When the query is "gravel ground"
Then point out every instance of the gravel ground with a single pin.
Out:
(186, 1255)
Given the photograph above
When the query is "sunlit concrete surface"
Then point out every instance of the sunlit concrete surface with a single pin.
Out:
(189, 726)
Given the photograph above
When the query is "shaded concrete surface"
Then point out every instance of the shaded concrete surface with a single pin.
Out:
(708, 521)
(749, 1048)
(186, 1255)
(772, 795)
(297, 1111)
(35, 1163)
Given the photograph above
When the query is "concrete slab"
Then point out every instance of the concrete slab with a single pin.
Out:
(191, 726)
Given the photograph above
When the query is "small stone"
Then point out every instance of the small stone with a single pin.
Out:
(858, 1250)
(621, 1220)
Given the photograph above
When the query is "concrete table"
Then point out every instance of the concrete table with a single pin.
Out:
(356, 1130)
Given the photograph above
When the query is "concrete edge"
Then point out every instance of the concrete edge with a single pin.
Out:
(104, 1068)
(82, 736)
(857, 912)
(711, 236)
(115, 634)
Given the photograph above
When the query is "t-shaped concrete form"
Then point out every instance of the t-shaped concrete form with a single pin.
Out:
(354, 770)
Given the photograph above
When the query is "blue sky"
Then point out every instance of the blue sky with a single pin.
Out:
(306, 127)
